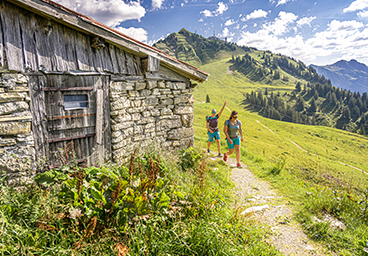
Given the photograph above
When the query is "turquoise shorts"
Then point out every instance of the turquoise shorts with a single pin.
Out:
(215, 135)
(235, 142)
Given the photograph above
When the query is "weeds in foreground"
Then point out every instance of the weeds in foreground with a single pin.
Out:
(146, 208)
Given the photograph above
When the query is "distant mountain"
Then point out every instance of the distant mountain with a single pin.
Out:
(350, 75)
(195, 49)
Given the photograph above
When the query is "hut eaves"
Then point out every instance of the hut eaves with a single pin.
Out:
(83, 23)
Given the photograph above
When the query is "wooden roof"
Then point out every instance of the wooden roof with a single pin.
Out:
(87, 25)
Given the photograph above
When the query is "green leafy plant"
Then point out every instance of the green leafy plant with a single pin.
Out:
(189, 158)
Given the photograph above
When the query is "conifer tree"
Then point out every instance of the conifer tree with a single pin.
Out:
(362, 130)
(208, 99)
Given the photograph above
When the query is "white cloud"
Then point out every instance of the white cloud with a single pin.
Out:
(156, 4)
(220, 10)
(255, 15)
(109, 12)
(229, 22)
(305, 21)
(345, 40)
(226, 33)
(281, 23)
(280, 2)
(356, 6)
(363, 14)
(137, 33)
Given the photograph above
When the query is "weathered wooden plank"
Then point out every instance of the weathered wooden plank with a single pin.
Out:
(68, 36)
(43, 50)
(70, 138)
(120, 56)
(126, 78)
(83, 52)
(153, 64)
(39, 123)
(138, 65)
(107, 119)
(99, 116)
(67, 88)
(166, 74)
(130, 63)
(114, 61)
(12, 37)
(106, 59)
(2, 57)
(96, 58)
(28, 27)
(60, 62)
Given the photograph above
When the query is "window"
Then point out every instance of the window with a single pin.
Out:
(75, 101)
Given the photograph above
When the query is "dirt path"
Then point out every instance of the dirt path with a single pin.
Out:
(257, 197)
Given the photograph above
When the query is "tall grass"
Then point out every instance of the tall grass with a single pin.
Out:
(151, 206)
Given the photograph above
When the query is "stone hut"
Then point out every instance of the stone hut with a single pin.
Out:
(71, 84)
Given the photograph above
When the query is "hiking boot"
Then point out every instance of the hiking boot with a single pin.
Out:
(225, 157)
(219, 154)
(208, 150)
(238, 165)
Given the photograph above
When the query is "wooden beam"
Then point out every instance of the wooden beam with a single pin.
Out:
(87, 25)
(99, 115)
(71, 138)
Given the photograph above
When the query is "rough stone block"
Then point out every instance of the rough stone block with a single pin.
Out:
(187, 120)
(11, 107)
(136, 109)
(183, 99)
(146, 120)
(166, 112)
(123, 118)
(121, 86)
(155, 112)
(151, 84)
(13, 128)
(140, 86)
(167, 124)
(183, 110)
(133, 93)
(180, 86)
(136, 103)
(7, 142)
(121, 126)
(161, 85)
(145, 93)
(146, 113)
(155, 92)
(150, 101)
(165, 91)
(120, 104)
(180, 133)
(13, 96)
(136, 116)
(167, 101)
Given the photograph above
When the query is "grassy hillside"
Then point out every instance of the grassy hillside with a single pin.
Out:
(322, 170)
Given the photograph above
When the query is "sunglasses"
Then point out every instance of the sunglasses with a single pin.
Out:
(235, 117)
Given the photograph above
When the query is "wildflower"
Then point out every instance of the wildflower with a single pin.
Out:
(75, 213)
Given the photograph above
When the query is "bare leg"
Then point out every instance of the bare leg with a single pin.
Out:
(237, 150)
(229, 152)
(218, 146)
(209, 145)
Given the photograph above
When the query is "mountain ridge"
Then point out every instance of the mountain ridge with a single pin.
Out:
(350, 75)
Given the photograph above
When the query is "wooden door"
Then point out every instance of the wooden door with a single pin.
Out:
(71, 118)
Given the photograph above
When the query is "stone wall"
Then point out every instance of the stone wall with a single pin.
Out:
(17, 153)
(148, 112)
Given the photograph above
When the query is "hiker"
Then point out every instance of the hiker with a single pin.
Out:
(232, 128)
(213, 130)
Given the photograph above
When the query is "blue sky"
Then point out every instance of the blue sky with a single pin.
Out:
(317, 32)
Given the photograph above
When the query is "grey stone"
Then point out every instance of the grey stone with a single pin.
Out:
(14, 128)
(161, 85)
(146, 120)
(12, 96)
(121, 126)
(145, 93)
(136, 116)
(180, 133)
(7, 142)
(167, 101)
(140, 86)
(167, 124)
(150, 101)
(120, 104)
(121, 86)
(187, 120)
(155, 112)
(166, 112)
(10, 107)
(151, 84)
(183, 110)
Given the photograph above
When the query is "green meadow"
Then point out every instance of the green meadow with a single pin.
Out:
(321, 170)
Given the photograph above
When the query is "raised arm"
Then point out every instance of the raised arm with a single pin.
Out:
(219, 114)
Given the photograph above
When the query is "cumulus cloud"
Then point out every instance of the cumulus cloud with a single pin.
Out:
(346, 39)
(221, 8)
(280, 2)
(156, 4)
(255, 15)
(281, 23)
(230, 22)
(356, 6)
(305, 21)
(226, 33)
(363, 14)
(109, 12)
(137, 33)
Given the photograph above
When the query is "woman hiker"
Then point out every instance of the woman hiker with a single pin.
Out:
(232, 129)
(213, 130)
